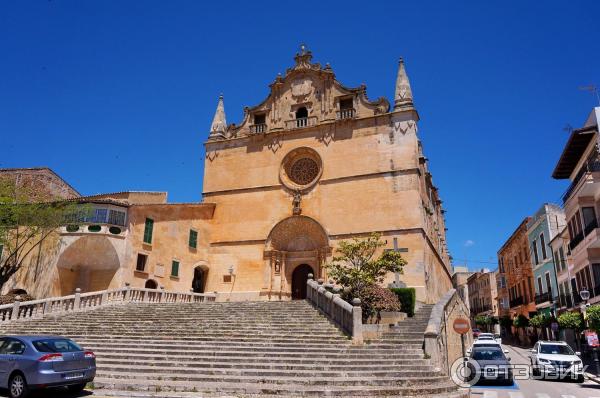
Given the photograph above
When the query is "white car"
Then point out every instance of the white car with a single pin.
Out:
(556, 359)
(486, 342)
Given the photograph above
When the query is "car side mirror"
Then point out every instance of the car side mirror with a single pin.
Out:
(533, 351)
(505, 351)
(578, 353)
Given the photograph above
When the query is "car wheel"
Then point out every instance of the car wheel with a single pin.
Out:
(580, 379)
(17, 386)
(535, 369)
(76, 388)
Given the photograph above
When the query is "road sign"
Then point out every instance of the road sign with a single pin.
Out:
(592, 338)
(461, 326)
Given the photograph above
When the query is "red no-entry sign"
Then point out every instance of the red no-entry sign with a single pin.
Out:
(461, 326)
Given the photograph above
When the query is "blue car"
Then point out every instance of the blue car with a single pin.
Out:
(37, 362)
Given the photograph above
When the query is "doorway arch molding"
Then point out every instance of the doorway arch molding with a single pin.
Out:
(295, 240)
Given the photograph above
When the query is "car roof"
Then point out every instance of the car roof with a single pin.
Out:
(481, 342)
(553, 342)
(485, 347)
(30, 338)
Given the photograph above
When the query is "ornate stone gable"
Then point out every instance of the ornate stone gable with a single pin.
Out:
(307, 95)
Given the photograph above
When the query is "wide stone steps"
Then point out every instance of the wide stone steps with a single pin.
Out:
(287, 390)
(243, 349)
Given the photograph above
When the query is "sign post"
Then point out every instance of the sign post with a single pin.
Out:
(462, 326)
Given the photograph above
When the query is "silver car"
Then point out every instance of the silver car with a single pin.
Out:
(38, 362)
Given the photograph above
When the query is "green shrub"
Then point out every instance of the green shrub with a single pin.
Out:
(407, 297)
(521, 321)
(540, 321)
(506, 322)
(570, 320)
(373, 300)
(593, 316)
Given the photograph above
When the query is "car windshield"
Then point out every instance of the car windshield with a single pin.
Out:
(487, 354)
(485, 338)
(560, 349)
(56, 345)
(486, 344)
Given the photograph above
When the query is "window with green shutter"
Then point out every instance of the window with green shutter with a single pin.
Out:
(193, 238)
(148, 230)
(175, 268)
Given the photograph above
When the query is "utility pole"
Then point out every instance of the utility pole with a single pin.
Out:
(592, 89)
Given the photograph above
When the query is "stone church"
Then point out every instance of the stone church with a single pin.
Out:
(313, 164)
(318, 162)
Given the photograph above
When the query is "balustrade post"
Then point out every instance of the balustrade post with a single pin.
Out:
(127, 296)
(357, 333)
(190, 297)
(309, 289)
(15, 309)
(104, 299)
(77, 300)
(47, 306)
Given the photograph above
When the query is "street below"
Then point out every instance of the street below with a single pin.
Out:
(536, 388)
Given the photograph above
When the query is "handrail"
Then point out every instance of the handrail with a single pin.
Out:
(346, 316)
(82, 301)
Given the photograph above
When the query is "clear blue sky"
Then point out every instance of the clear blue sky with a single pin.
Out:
(119, 95)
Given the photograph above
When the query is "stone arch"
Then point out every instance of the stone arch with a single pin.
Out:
(294, 241)
(89, 263)
(151, 284)
(297, 233)
(17, 291)
(200, 277)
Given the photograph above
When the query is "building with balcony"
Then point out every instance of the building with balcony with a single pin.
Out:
(564, 269)
(482, 290)
(514, 259)
(580, 163)
(501, 299)
(543, 227)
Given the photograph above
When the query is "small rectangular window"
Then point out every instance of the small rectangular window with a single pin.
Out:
(141, 262)
(193, 241)
(543, 246)
(148, 227)
(260, 118)
(534, 249)
(227, 278)
(175, 268)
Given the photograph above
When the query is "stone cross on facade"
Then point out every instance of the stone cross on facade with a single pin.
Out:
(397, 282)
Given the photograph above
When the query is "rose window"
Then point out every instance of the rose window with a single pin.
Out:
(304, 171)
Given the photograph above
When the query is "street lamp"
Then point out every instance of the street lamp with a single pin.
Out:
(585, 296)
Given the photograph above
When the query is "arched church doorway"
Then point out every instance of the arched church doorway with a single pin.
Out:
(299, 279)
(151, 284)
(199, 281)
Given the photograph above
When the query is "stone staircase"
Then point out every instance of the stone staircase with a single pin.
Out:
(242, 349)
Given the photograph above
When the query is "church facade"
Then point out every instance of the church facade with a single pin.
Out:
(313, 164)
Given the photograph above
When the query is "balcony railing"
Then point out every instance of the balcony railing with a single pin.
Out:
(346, 113)
(590, 227)
(258, 128)
(516, 302)
(590, 166)
(577, 239)
(566, 300)
(301, 122)
(544, 297)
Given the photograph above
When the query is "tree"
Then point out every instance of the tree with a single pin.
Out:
(593, 316)
(521, 321)
(571, 320)
(506, 322)
(539, 321)
(28, 219)
(355, 269)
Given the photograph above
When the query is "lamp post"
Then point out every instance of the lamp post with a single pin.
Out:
(585, 296)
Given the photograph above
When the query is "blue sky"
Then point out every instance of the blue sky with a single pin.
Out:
(118, 95)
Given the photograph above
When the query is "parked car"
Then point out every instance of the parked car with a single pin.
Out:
(498, 338)
(494, 365)
(556, 359)
(486, 342)
(35, 362)
(476, 333)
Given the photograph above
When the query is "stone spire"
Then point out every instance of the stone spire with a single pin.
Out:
(219, 124)
(403, 98)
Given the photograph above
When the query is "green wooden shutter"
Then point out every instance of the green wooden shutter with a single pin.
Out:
(193, 238)
(148, 230)
(175, 268)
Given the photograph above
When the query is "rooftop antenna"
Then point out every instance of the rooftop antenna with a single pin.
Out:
(592, 89)
(568, 128)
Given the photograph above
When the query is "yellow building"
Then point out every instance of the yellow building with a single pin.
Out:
(314, 163)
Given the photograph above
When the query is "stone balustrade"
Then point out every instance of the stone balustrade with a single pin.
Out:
(442, 344)
(82, 301)
(348, 317)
